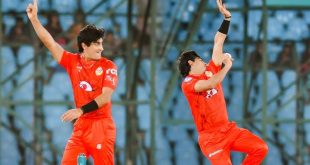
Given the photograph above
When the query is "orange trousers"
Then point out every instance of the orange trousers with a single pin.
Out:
(93, 137)
(216, 146)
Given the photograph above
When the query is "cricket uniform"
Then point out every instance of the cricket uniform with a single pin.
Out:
(217, 135)
(94, 133)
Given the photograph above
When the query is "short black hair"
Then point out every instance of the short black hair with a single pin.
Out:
(89, 34)
(183, 59)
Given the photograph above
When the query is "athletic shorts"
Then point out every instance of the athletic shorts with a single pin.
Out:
(93, 137)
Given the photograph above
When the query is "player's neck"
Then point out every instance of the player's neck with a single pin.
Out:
(194, 73)
(85, 58)
(87, 62)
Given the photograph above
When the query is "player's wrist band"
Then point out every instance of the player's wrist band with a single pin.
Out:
(224, 26)
(89, 107)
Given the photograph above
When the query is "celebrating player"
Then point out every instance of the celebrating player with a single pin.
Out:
(93, 79)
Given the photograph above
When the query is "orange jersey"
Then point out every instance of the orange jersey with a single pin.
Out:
(208, 107)
(87, 82)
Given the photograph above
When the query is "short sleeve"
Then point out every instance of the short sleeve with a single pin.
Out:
(213, 67)
(66, 59)
(111, 79)
(188, 84)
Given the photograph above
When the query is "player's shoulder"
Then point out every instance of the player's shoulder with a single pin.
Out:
(187, 84)
(69, 56)
(187, 79)
(192, 78)
(108, 63)
(75, 55)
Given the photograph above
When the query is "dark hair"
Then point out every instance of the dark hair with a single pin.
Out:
(89, 34)
(183, 59)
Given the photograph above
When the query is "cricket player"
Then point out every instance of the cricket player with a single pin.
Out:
(93, 79)
(203, 90)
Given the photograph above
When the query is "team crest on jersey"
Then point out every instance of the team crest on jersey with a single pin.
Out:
(86, 86)
(188, 79)
(99, 71)
(208, 73)
(79, 68)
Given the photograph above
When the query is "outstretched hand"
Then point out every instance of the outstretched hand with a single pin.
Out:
(222, 9)
(32, 10)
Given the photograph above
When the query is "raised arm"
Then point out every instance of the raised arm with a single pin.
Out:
(43, 34)
(220, 36)
(203, 85)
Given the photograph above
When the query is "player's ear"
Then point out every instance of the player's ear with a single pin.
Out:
(190, 62)
(84, 45)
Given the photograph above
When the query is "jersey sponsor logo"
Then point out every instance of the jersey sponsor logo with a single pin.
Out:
(110, 78)
(208, 73)
(111, 71)
(86, 86)
(211, 92)
(99, 146)
(215, 153)
(99, 71)
(188, 79)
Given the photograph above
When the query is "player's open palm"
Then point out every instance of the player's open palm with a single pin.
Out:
(222, 9)
(32, 9)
